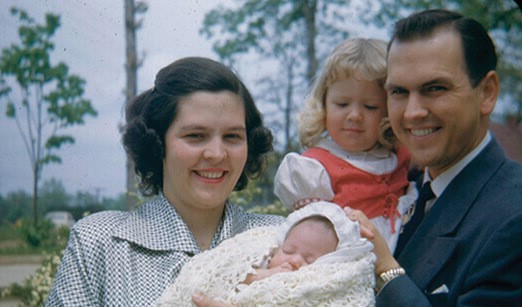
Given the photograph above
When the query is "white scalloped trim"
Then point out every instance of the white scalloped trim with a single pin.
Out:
(347, 231)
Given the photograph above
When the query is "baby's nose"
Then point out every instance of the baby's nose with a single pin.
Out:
(296, 262)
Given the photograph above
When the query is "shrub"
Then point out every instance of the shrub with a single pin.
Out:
(43, 236)
(35, 234)
(274, 208)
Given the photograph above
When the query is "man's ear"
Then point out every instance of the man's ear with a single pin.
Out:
(489, 89)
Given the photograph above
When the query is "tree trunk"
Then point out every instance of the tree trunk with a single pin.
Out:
(131, 70)
(288, 107)
(35, 194)
(310, 8)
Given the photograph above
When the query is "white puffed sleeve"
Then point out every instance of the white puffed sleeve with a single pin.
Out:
(300, 180)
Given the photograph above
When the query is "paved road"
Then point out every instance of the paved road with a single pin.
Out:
(15, 269)
(16, 273)
(9, 303)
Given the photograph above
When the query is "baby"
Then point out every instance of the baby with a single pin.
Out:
(307, 241)
(317, 256)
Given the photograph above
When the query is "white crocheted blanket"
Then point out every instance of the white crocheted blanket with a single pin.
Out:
(219, 272)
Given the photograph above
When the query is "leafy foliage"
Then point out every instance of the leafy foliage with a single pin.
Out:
(16, 205)
(41, 97)
(276, 208)
(258, 196)
(272, 27)
(35, 234)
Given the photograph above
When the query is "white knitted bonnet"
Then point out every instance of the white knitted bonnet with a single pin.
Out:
(348, 232)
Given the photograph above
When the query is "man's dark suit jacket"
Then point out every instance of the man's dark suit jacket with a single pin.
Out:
(469, 243)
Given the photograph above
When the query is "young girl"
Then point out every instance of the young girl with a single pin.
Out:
(351, 156)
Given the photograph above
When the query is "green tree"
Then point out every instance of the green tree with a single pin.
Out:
(14, 206)
(53, 197)
(285, 35)
(118, 203)
(502, 18)
(48, 97)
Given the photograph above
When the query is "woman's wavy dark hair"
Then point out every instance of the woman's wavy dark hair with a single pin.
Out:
(150, 114)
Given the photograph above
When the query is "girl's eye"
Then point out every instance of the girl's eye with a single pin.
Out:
(369, 107)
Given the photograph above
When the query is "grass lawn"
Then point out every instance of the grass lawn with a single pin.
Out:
(12, 242)
(8, 231)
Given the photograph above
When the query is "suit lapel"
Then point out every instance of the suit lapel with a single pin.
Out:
(434, 242)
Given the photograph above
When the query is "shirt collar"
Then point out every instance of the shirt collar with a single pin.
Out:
(156, 225)
(439, 184)
(376, 153)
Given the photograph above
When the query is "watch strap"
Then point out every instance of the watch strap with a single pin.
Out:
(387, 276)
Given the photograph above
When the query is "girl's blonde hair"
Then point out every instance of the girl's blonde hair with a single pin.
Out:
(364, 58)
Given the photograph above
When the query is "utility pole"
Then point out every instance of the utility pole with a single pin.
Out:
(131, 69)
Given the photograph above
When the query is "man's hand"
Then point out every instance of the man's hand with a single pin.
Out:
(385, 260)
(366, 231)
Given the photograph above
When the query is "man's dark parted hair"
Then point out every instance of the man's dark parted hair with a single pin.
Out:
(479, 50)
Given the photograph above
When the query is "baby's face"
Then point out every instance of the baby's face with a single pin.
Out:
(306, 242)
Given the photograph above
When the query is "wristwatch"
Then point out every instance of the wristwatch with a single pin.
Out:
(387, 276)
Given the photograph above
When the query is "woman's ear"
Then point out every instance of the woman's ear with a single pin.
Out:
(489, 89)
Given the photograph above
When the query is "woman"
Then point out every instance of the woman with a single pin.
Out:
(194, 137)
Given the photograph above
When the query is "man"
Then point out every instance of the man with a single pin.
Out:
(466, 250)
